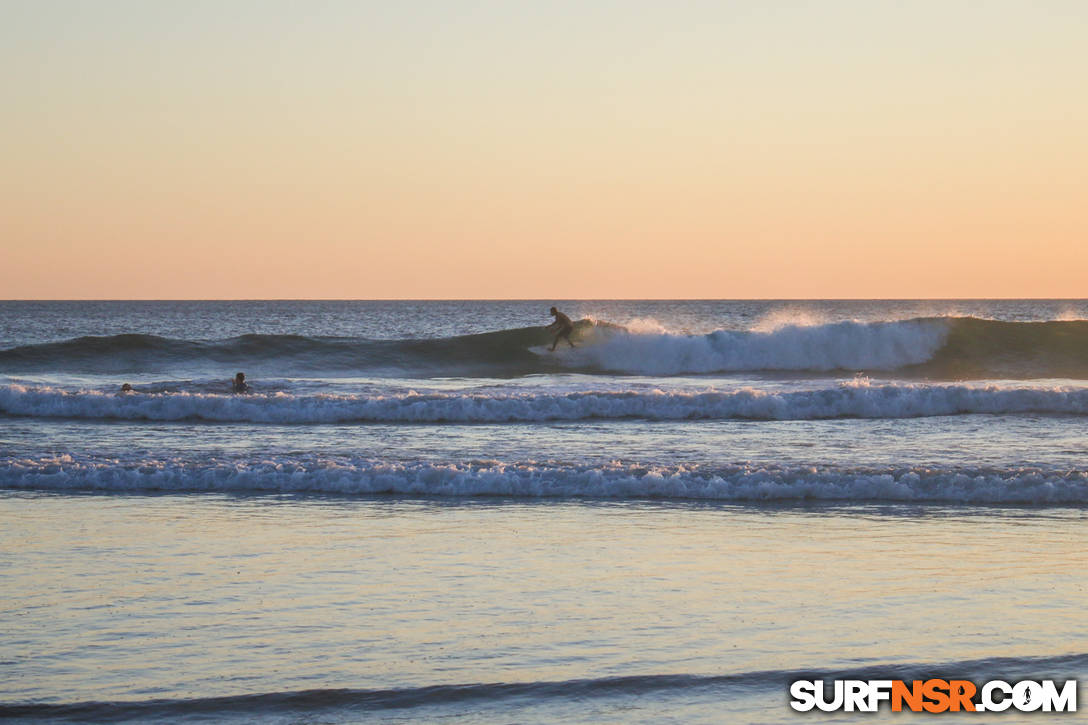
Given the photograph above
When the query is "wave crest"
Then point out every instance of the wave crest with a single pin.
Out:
(741, 483)
(820, 348)
(942, 348)
(853, 400)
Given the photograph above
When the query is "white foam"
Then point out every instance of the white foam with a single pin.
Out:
(859, 399)
(835, 346)
(531, 479)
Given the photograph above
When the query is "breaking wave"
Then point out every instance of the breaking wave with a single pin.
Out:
(741, 483)
(943, 348)
(846, 400)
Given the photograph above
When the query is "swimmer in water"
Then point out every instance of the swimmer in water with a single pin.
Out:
(240, 385)
(562, 327)
(126, 388)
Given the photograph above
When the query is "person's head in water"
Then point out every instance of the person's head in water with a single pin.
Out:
(240, 383)
(126, 388)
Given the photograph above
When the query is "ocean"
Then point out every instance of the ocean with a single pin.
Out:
(419, 512)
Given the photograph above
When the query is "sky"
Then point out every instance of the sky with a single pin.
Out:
(564, 149)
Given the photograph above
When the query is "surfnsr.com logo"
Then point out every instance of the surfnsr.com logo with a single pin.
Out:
(934, 695)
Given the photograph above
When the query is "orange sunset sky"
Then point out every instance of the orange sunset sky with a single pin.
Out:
(560, 149)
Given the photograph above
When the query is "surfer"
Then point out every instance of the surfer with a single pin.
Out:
(562, 327)
(126, 388)
(239, 385)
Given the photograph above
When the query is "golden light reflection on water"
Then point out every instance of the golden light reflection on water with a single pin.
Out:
(207, 595)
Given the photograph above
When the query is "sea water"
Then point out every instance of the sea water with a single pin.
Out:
(419, 512)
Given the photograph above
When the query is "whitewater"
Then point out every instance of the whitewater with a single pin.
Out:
(550, 480)
(700, 365)
(419, 511)
(856, 399)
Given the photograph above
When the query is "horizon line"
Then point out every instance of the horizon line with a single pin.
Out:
(546, 299)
